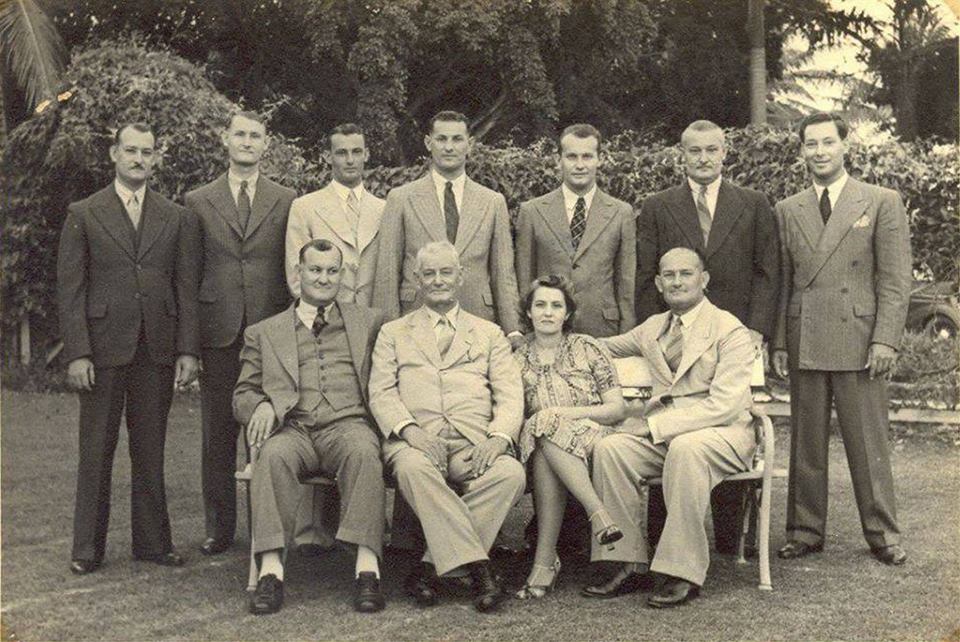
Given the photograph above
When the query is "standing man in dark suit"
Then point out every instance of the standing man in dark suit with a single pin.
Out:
(585, 234)
(736, 231)
(127, 301)
(241, 219)
(847, 276)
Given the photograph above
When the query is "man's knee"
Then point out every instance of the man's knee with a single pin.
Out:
(509, 472)
(276, 454)
(411, 465)
(609, 451)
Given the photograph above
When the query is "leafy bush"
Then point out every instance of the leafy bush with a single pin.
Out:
(926, 372)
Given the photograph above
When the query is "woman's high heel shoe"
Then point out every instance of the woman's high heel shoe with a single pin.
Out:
(605, 530)
(536, 588)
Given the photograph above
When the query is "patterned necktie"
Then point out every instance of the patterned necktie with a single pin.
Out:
(353, 211)
(243, 206)
(319, 322)
(133, 211)
(450, 212)
(672, 343)
(825, 208)
(703, 213)
(444, 334)
(578, 223)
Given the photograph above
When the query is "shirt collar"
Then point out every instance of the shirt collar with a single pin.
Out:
(570, 197)
(689, 317)
(235, 181)
(125, 193)
(834, 188)
(712, 188)
(441, 182)
(344, 192)
(451, 315)
(307, 312)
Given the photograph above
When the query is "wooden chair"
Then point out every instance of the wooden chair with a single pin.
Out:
(636, 383)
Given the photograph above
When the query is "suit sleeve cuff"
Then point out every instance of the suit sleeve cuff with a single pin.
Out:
(400, 426)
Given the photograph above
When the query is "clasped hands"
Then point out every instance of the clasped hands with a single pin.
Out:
(480, 457)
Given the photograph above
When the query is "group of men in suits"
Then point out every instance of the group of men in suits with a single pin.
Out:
(148, 289)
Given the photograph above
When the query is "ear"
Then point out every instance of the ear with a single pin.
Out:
(658, 281)
(113, 153)
(327, 156)
(705, 279)
(225, 137)
(426, 141)
(470, 143)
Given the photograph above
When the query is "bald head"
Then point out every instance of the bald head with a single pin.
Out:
(682, 279)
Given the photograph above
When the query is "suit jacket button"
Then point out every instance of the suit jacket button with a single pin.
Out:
(136, 295)
(844, 290)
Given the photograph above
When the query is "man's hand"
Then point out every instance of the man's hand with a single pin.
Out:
(880, 360)
(485, 453)
(780, 363)
(80, 374)
(635, 426)
(261, 424)
(430, 445)
(186, 370)
(516, 340)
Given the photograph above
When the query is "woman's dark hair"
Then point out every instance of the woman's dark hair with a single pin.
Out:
(556, 282)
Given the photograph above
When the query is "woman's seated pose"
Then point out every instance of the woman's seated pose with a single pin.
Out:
(572, 399)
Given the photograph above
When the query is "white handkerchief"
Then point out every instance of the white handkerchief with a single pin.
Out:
(863, 221)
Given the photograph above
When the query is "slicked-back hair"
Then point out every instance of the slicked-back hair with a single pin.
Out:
(580, 130)
(248, 114)
(555, 282)
(137, 126)
(448, 116)
(697, 251)
(321, 245)
(822, 117)
(702, 126)
(343, 129)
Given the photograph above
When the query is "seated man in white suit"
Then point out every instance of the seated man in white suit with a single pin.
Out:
(447, 394)
(695, 430)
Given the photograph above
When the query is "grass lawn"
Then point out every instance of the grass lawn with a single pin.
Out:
(841, 594)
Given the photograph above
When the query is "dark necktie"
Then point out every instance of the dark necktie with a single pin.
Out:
(825, 208)
(703, 214)
(450, 212)
(578, 223)
(672, 343)
(243, 205)
(319, 323)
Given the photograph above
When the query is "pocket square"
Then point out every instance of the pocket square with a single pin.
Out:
(863, 221)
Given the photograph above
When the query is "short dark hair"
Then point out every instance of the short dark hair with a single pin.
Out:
(556, 282)
(320, 245)
(823, 117)
(448, 116)
(137, 126)
(343, 129)
(248, 114)
(695, 250)
(580, 130)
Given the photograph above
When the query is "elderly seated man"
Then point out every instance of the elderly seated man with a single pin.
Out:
(302, 396)
(448, 397)
(695, 430)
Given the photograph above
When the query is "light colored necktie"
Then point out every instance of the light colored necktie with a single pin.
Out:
(444, 334)
(672, 343)
(703, 213)
(450, 212)
(578, 223)
(243, 205)
(353, 211)
(133, 210)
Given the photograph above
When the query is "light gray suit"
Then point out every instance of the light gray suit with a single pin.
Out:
(846, 285)
(323, 214)
(463, 396)
(413, 217)
(702, 432)
(601, 269)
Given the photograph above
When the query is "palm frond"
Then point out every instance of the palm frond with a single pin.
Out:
(31, 49)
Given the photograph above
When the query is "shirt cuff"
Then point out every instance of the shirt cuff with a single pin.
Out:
(502, 435)
(654, 430)
(400, 426)
(515, 333)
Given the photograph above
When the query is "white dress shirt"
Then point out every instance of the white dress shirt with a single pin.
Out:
(713, 190)
(234, 182)
(441, 184)
(344, 192)
(570, 200)
(126, 194)
(835, 188)
(308, 313)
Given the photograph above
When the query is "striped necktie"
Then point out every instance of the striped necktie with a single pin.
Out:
(578, 223)
(671, 342)
(134, 210)
(703, 214)
(353, 211)
(243, 206)
(444, 334)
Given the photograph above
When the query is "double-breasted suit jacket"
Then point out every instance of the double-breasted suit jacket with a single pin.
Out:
(322, 214)
(742, 252)
(602, 268)
(413, 217)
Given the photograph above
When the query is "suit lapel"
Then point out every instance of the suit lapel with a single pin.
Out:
(462, 340)
(108, 209)
(808, 217)
(281, 332)
(333, 211)
(263, 201)
(697, 340)
(684, 212)
(222, 201)
(356, 330)
(424, 336)
(369, 224)
(471, 215)
(651, 349)
(554, 213)
(427, 208)
(850, 205)
(153, 221)
(600, 214)
(728, 211)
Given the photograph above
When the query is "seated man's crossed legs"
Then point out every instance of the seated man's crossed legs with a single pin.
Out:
(690, 467)
(348, 449)
(459, 528)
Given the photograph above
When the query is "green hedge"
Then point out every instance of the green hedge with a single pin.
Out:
(61, 155)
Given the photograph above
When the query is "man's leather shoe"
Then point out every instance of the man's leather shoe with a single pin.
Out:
(213, 546)
(163, 559)
(367, 596)
(673, 593)
(795, 549)
(82, 567)
(423, 584)
(892, 555)
(268, 596)
(618, 585)
(486, 590)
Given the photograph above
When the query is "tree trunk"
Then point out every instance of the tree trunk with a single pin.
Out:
(905, 103)
(758, 62)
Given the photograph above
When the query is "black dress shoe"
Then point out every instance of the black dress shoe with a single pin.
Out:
(892, 555)
(268, 596)
(795, 549)
(213, 546)
(163, 559)
(423, 584)
(82, 567)
(673, 593)
(616, 586)
(486, 590)
(367, 596)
